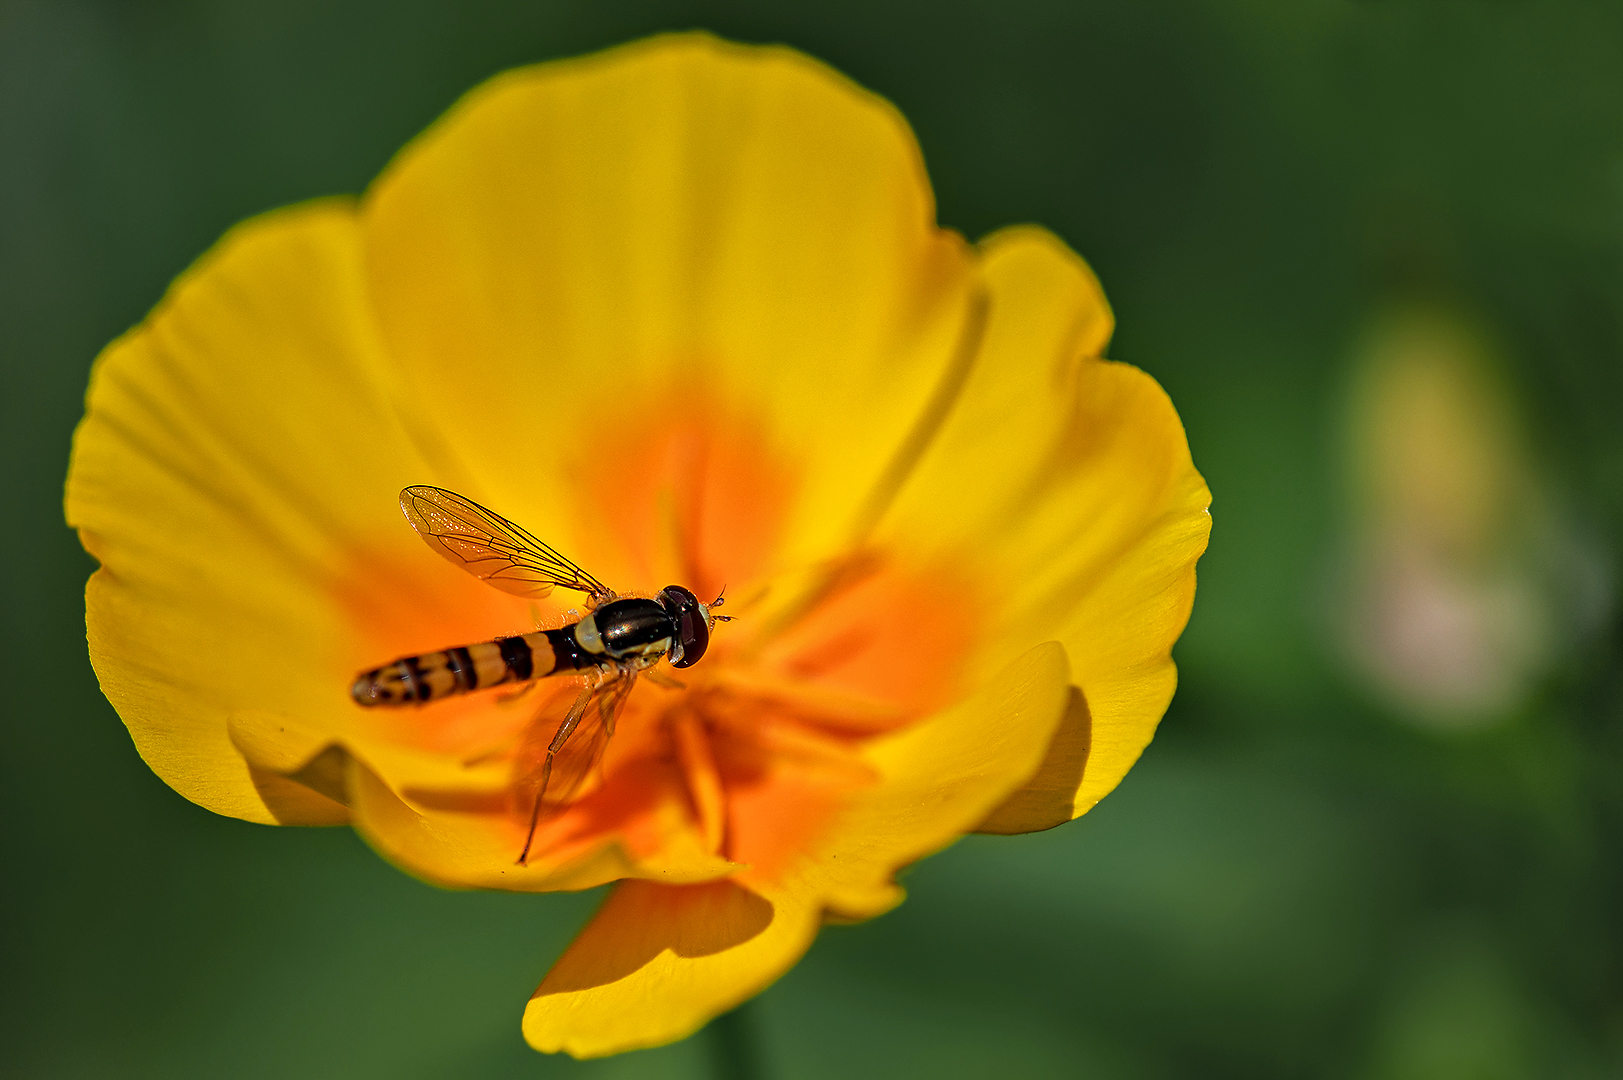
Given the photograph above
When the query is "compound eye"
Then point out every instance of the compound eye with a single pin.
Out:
(695, 636)
(692, 628)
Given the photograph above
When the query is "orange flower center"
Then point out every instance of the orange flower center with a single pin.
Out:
(758, 749)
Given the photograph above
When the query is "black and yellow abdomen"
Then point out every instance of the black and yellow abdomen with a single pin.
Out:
(431, 676)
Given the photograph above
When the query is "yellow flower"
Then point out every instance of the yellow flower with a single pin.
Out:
(682, 310)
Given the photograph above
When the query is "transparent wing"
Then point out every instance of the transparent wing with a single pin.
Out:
(555, 761)
(579, 757)
(491, 548)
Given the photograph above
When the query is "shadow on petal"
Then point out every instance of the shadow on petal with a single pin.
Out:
(298, 786)
(641, 920)
(458, 802)
(1049, 797)
(293, 802)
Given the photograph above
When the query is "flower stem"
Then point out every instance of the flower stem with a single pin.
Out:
(735, 1045)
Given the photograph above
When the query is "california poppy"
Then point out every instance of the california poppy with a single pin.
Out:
(681, 309)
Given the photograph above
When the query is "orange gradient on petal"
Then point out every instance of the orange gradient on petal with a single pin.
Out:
(884, 632)
(683, 489)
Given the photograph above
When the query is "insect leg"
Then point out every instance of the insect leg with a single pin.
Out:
(576, 711)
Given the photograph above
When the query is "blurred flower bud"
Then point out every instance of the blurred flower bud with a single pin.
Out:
(1463, 581)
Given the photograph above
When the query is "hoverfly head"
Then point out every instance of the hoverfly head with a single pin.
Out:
(693, 624)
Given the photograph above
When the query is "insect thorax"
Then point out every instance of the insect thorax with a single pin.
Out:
(631, 627)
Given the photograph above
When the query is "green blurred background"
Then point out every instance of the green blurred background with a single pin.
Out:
(1308, 875)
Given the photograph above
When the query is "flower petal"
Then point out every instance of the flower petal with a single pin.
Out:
(1070, 478)
(1049, 797)
(474, 851)
(578, 240)
(940, 778)
(227, 450)
(658, 961)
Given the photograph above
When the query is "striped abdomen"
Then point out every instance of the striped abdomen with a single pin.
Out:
(431, 676)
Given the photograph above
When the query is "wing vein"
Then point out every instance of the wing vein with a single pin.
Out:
(491, 548)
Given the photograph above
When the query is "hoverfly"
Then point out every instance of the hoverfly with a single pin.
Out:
(619, 639)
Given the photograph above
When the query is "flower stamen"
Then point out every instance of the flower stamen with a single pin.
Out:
(699, 770)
